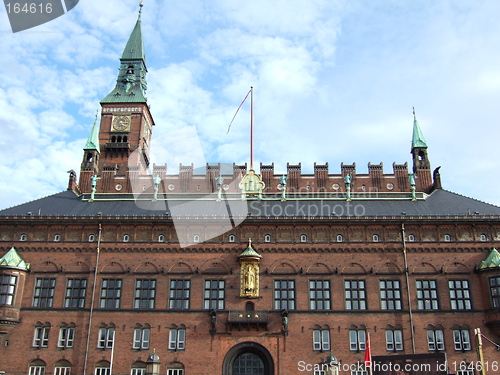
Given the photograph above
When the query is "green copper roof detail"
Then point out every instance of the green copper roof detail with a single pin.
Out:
(250, 252)
(491, 261)
(418, 139)
(131, 84)
(13, 260)
(93, 140)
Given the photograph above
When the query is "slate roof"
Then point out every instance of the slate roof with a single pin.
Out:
(438, 203)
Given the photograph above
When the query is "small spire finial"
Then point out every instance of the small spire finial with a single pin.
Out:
(249, 242)
(414, 114)
(141, 4)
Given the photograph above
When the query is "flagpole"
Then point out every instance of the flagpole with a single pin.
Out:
(251, 127)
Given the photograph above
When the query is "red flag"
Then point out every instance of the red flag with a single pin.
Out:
(368, 352)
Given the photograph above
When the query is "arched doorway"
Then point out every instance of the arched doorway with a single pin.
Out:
(248, 358)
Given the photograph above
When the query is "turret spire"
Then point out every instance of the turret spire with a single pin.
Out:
(131, 84)
(93, 140)
(418, 139)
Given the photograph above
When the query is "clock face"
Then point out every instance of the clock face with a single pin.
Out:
(121, 123)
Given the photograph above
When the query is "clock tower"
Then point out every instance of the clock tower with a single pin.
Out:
(126, 124)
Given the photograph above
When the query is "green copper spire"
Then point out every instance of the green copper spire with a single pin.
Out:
(491, 261)
(131, 84)
(418, 139)
(93, 140)
(13, 260)
(250, 252)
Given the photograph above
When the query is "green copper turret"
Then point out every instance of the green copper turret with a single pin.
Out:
(418, 137)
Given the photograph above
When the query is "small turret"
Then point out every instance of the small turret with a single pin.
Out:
(421, 163)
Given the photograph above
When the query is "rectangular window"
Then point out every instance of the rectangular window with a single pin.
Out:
(359, 372)
(214, 295)
(321, 340)
(177, 339)
(355, 294)
(179, 294)
(138, 371)
(41, 338)
(357, 339)
(461, 339)
(111, 292)
(102, 371)
(75, 293)
(319, 294)
(66, 337)
(390, 294)
(37, 370)
(394, 340)
(319, 372)
(141, 338)
(284, 294)
(44, 292)
(427, 295)
(435, 340)
(106, 338)
(7, 289)
(145, 290)
(171, 371)
(495, 291)
(62, 371)
(460, 298)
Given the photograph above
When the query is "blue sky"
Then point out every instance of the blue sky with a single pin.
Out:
(335, 81)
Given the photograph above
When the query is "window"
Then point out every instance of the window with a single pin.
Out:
(214, 295)
(484, 237)
(7, 289)
(435, 340)
(355, 295)
(91, 238)
(321, 340)
(175, 371)
(319, 294)
(62, 367)
(111, 291)
(340, 238)
(411, 238)
(495, 291)
(447, 237)
(41, 338)
(394, 340)
(126, 238)
(359, 372)
(284, 294)
(232, 238)
(145, 290)
(303, 238)
(357, 340)
(161, 238)
(267, 238)
(461, 338)
(44, 292)
(106, 338)
(390, 294)
(138, 368)
(141, 338)
(177, 339)
(179, 294)
(102, 371)
(37, 367)
(460, 298)
(427, 297)
(66, 337)
(75, 293)
(57, 238)
(23, 237)
(466, 372)
(196, 238)
(375, 238)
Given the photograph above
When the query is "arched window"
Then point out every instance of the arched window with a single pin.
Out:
(62, 367)
(339, 238)
(57, 238)
(130, 69)
(23, 237)
(119, 139)
(447, 237)
(411, 238)
(375, 238)
(196, 238)
(484, 237)
(91, 238)
(176, 368)
(113, 139)
(249, 306)
(138, 368)
(232, 238)
(89, 157)
(161, 238)
(267, 238)
(102, 368)
(37, 367)
(303, 238)
(248, 363)
(125, 139)
(126, 238)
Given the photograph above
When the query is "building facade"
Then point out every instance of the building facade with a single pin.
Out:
(223, 270)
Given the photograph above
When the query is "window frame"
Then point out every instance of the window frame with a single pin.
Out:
(284, 297)
(177, 339)
(435, 340)
(460, 295)
(43, 295)
(494, 288)
(390, 295)
(427, 293)
(394, 340)
(174, 299)
(75, 293)
(142, 337)
(41, 337)
(211, 301)
(145, 296)
(66, 337)
(8, 289)
(110, 295)
(106, 338)
(357, 340)
(314, 299)
(355, 296)
(321, 340)
(461, 340)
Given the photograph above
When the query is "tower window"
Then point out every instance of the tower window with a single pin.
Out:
(340, 238)
(303, 238)
(91, 238)
(196, 238)
(375, 238)
(130, 70)
(267, 238)
(23, 237)
(447, 237)
(57, 238)
(232, 238)
(411, 238)
(161, 238)
(126, 238)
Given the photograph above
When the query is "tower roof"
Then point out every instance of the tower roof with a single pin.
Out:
(250, 252)
(131, 83)
(93, 139)
(491, 261)
(13, 260)
(418, 139)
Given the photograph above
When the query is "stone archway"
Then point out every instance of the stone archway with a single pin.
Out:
(248, 358)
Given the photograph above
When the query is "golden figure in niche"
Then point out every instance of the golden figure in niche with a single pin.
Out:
(249, 279)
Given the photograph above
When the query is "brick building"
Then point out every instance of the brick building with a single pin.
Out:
(223, 270)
